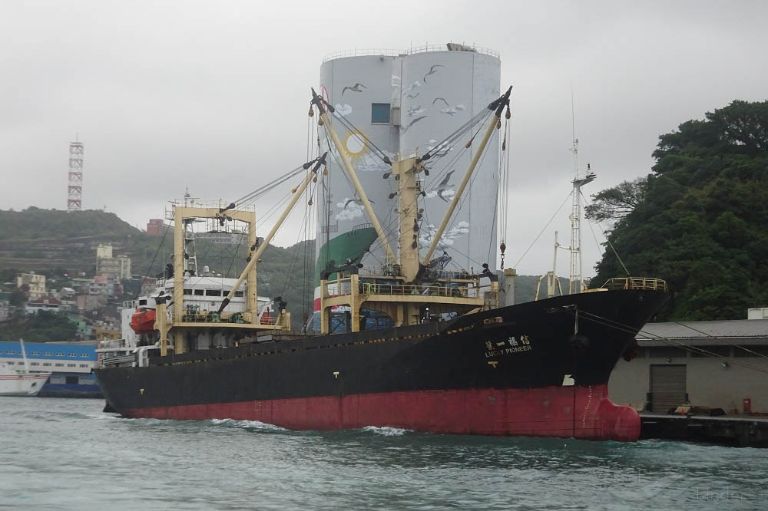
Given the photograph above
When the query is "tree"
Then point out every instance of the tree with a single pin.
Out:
(19, 296)
(701, 220)
(42, 326)
(617, 202)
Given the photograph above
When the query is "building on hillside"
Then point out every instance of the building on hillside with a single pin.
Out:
(714, 364)
(90, 302)
(35, 282)
(106, 264)
(47, 303)
(155, 227)
(67, 296)
(104, 251)
(71, 365)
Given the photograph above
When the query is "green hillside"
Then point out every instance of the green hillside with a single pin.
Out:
(700, 219)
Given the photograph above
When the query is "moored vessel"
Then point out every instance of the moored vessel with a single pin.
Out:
(16, 381)
(451, 357)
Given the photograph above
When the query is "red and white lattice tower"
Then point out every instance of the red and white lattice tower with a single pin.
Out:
(75, 188)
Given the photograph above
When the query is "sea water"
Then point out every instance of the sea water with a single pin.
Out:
(68, 454)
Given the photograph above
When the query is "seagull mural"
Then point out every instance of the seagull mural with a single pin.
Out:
(445, 187)
(406, 128)
(440, 149)
(448, 109)
(432, 70)
(343, 109)
(357, 201)
(357, 87)
(415, 110)
(411, 90)
(444, 190)
(349, 209)
(448, 238)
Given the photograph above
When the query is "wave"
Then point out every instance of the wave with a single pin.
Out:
(245, 424)
(386, 430)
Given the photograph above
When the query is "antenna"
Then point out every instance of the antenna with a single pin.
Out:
(75, 186)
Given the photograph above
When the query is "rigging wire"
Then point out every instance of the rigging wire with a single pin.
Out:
(362, 137)
(503, 184)
(166, 228)
(440, 147)
(318, 101)
(684, 325)
(543, 229)
(250, 197)
(629, 329)
(289, 275)
(607, 240)
(390, 227)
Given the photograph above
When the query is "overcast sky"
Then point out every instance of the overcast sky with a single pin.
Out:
(213, 95)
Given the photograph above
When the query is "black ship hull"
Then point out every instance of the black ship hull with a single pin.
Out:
(538, 368)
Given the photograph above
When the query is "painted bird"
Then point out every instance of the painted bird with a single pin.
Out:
(356, 201)
(444, 186)
(414, 122)
(354, 88)
(432, 70)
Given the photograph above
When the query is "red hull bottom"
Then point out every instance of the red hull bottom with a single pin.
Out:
(580, 412)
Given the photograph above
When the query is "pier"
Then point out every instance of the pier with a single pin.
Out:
(741, 430)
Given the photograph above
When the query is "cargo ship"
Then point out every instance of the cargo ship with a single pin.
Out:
(451, 356)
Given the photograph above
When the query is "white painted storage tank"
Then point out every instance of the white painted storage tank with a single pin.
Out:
(406, 102)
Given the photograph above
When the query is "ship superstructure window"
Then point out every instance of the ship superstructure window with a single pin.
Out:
(238, 294)
(379, 113)
(199, 292)
(213, 292)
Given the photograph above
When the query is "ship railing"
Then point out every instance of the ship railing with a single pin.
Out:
(211, 317)
(343, 287)
(118, 360)
(644, 283)
(393, 52)
(370, 288)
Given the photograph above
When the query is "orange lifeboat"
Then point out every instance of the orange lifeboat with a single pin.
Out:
(143, 321)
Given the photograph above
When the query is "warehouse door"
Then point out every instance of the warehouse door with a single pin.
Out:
(668, 389)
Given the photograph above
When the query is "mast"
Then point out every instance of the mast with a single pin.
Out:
(498, 105)
(351, 174)
(552, 279)
(24, 355)
(575, 279)
(408, 207)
